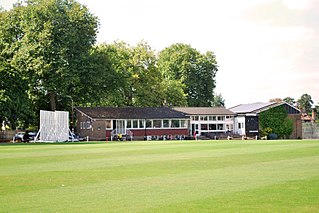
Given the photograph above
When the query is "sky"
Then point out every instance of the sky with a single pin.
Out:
(265, 49)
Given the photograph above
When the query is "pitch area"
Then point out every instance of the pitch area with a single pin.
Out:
(166, 176)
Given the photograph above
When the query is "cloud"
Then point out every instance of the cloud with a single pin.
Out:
(286, 13)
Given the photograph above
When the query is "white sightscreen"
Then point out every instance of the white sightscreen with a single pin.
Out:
(54, 126)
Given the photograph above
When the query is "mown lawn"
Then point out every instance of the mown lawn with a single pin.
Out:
(166, 176)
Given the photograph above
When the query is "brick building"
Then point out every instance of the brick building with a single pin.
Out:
(100, 123)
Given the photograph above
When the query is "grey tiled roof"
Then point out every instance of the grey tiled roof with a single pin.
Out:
(131, 112)
(204, 110)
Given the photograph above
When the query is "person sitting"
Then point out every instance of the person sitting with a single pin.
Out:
(26, 137)
(119, 137)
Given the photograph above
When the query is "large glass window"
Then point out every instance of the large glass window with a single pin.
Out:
(135, 124)
(149, 123)
(184, 124)
(157, 123)
(204, 127)
(212, 127)
(128, 124)
(220, 126)
(166, 123)
(141, 124)
(175, 123)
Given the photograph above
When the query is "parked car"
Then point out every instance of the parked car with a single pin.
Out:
(22, 137)
(19, 136)
(75, 138)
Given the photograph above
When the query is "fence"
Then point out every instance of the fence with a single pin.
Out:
(6, 135)
(310, 130)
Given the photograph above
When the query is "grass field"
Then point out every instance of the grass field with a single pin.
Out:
(167, 176)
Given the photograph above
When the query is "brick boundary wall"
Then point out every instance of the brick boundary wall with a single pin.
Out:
(310, 130)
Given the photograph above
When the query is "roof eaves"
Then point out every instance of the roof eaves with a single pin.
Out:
(76, 108)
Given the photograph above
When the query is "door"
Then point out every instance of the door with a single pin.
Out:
(120, 127)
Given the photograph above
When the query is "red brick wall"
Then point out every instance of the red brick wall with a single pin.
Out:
(140, 133)
(297, 131)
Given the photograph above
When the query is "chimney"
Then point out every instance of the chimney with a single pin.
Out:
(313, 115)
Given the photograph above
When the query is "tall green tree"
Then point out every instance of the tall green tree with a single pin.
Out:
(14, 98)
(139, 81)
(14, 101)
(304, 103)
(51, 43)
(194, 70)
(99, 79)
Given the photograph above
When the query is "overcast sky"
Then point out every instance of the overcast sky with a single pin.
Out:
(265, 48)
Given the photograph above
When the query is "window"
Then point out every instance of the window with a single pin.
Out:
(203, 118)
(229, 127)
(241, 125)
(141, 124)
(135, 124)
(149, 123)
(157, 123)
(212, 127)
(203, 127)
(195, 118)
(165, 123)
(86, 125)
(175, 123)
(221, 118)
(220, 126)
(108, 124)
(183, 124)
(128, 124)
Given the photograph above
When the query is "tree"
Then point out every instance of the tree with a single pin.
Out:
(195, 70)
(276, 119)
(99, 78)
(50, 45)
(218, 101)
(304, 103)
(173, 91)
(140, 82)
(290, 101)
(14, 102)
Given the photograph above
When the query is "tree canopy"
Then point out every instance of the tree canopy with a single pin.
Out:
(195, 70)
(49, 60)
(305, 103)
(275, 120)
